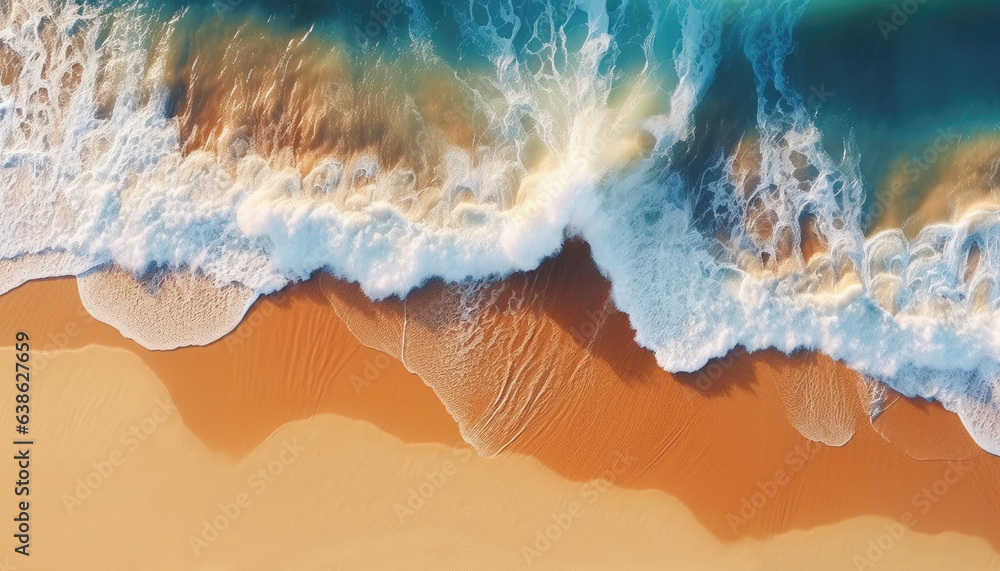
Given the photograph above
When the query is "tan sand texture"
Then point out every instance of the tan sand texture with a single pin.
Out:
(119, 482)
(290, 358)
(714, 440)
(572, 389)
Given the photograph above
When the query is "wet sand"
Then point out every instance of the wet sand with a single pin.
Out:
(290, 358)
(580, 392)
(553, 375)
(122, 483)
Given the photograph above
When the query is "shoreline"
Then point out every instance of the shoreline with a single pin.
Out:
(711, 444)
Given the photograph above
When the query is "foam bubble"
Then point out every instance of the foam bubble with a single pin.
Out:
(34, 266)
(825, 402)
(98, 170)
(166, 310)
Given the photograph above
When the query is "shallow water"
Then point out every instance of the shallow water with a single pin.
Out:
(703, 149)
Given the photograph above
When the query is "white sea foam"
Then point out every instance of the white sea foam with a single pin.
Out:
(101, 178)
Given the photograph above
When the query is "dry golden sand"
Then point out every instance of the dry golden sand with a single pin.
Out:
(573, 390)
(696, 446)
(337, 493)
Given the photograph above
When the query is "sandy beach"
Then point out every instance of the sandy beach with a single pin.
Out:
(710, 464)
(318, 286)
(123, 483)
(710, 438)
